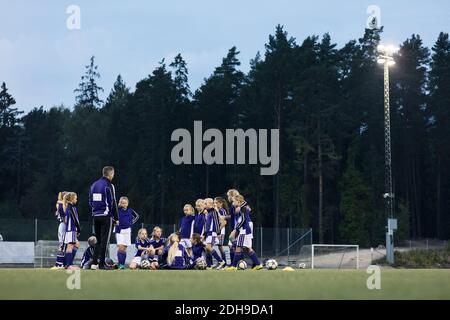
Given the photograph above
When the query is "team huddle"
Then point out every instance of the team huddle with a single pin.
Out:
(200, 238)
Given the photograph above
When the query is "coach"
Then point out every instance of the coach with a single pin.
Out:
(102, 198)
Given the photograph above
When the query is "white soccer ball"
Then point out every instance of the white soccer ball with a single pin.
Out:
(271, 264)
(242, 265)
(302, 265)
(145, 264)
(200, 264)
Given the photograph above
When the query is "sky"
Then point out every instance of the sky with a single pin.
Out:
(42, 60)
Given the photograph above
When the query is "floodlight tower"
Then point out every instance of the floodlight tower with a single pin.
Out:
(386, 59)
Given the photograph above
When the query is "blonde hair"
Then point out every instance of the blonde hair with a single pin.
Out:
(61, 196)
(69, 197)
(232, 193)
(174, 240)
(154, 230)
(140, 231)
(199, 201)
(191, 208)
(239, 198)
(124, 198)
(209, 201)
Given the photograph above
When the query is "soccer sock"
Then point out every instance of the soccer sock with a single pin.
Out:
(208, 259)
(231, 256)
(74, 252)
(59, 259)
(69, 259)
(216, 256)
(223, 256)
(254, 258)
(237, 257)
(121, 257)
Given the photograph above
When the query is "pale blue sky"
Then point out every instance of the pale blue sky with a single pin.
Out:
(42, 61)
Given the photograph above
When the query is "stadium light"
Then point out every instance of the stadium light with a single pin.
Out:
(385, 58)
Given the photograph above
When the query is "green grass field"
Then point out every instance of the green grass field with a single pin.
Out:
(253, 285)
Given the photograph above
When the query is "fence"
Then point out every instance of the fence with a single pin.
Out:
(424, 244)
(289, 245)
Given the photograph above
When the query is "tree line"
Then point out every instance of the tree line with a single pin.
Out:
(327, 103)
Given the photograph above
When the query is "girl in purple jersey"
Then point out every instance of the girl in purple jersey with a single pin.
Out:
(233, 217)
(177, 257)
(212, 228)
(143, 247)
(61, 206)
(187, 227)
(73, 229)
(222, 207)
(243, 233)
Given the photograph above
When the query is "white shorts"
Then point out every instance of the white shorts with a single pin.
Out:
(70, 237)
(124, 237)
(61, 232)
(186, 243)
(244, 240)
(137, 260)
(211, 239)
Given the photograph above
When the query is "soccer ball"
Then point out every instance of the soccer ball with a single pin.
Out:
(242, 265)
(145, 264)
(271, 264)
(302, 265)
(200, 264)
(110, 263)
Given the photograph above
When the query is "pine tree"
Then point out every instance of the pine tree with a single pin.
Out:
(10, 145)
(409, 122)
(88, 90)
(439, 84)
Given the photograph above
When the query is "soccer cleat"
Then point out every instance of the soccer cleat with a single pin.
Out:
(121, 267)
(220, 265)
(258, 267)
(231, 269)
(57, 268)
(94, 266)
(208, 268)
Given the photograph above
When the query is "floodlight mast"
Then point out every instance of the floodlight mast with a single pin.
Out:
(386, 58)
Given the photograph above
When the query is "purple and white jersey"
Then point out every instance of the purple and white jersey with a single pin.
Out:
(60, 214)
(212, 222)
(181, 259)
(72, 221)
(145, 243)
(244, 223)
(187, 226)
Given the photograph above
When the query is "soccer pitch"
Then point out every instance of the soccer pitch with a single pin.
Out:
(224, 285)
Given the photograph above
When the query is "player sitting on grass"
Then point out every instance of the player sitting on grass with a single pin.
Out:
(212, 228)
(73, 229)
(198, 247)
(187, 227)
(127, 217)
(157, 245)
(86, 261)
(177, 257)
(142, 246)
(245, 234)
